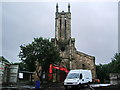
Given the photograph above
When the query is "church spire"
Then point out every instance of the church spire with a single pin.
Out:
(68, 7)
(57, 7)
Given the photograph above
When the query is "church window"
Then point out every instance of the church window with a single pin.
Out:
(60, 26)
(83, 66)
(65, 28)
(62, 48)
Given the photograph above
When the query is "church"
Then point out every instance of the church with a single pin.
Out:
(71, 58)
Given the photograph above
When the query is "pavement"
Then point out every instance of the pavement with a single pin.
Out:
(17, 87)
(100, 85)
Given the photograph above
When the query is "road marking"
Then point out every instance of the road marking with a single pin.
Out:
(90, 87)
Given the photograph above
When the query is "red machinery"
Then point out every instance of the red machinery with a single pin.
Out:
(56, 67)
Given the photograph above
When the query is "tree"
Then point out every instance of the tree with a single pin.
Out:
(41, 52)
(115, 64)
(104, 70)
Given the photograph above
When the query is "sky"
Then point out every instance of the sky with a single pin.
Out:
(94, 25)
(119, 27)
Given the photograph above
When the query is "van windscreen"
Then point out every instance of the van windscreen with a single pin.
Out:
(73, 75)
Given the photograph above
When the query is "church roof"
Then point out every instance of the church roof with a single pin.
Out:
(85, 55)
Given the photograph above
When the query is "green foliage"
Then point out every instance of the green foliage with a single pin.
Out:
(103, 71)
(40, 52)
(115, 64)
(4, 60)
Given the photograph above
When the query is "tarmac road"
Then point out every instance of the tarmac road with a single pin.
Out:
(60, 86)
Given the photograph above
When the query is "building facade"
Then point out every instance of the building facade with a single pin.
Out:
(8, 72)
(71, 58)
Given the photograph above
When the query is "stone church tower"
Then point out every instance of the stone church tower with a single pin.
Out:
(71, 58)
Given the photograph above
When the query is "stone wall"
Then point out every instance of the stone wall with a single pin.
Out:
(84, 61)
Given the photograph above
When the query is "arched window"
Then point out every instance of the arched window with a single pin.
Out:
(65, 29)
(60, 26)
(62, 48)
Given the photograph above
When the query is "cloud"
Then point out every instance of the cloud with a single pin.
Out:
(97, 27)
(94, 26)
(1, 29)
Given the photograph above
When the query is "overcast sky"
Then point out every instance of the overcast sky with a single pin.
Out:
(94, 27)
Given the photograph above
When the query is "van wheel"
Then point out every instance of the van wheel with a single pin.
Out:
(88, 85)
(79, 86)
(66, 88)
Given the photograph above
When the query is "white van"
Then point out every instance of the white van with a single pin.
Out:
(77, 78)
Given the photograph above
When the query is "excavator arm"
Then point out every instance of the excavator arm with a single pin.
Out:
(51, 67)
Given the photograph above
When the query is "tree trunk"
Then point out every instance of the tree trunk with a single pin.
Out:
(40, 75)
(46, 76)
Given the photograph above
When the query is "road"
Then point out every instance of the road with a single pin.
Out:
(60, 86)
